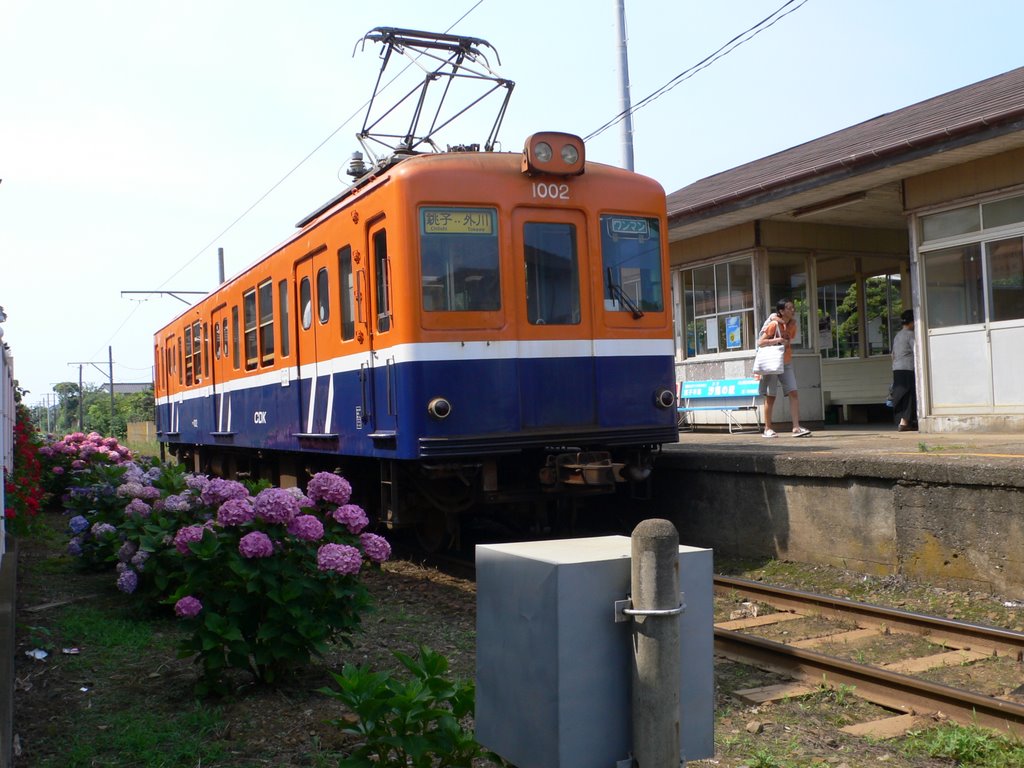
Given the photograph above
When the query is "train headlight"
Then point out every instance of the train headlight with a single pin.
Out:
(439, 408)
(665, 398)
(539, 156)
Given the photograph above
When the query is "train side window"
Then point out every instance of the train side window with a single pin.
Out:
(459, 260)
(206, 349)
(323, 296)
(249, 329)
(216, 341)
(306, 302)
(631, 257)
(180, 366)
(235, 357)
(346, 294)
(383, 269)
(266, 315)
(188, 355)
(552, 274)
(224, 336)
(197, 351)
(282, 299)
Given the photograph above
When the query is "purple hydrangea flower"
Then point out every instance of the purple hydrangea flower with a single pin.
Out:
(340, 558)
(376, 547)
(196, 483)
(78, 524)
(133, 488)
(219, 490)
(276, 505)
(178, 502)
(78, 464)
(58, 470)
(128, 581)
(188, 607)
(103, 529)
(307, 528)
(325, 486)
(75, 546)
(304, 500)
(139, 559)
(352, 516)
(255, 544)
(187, 535)
(138, 507)
(235, 512)
(127, 551)
(149, 493)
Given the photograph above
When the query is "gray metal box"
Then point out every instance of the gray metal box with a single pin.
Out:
(552, 666)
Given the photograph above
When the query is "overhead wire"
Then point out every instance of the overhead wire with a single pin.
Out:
(749, 34)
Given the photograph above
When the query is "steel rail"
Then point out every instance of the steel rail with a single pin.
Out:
(880, 686)
(958, 634)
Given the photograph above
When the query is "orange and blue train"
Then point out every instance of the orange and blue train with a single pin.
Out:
(456, 329)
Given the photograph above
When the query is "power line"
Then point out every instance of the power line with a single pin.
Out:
(749, 34)
(303, 161)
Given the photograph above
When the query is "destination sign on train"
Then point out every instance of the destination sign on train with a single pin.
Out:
(628, 226)
(451, 221)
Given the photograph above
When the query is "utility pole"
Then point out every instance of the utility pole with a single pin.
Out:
(626, 106)
(81, 391)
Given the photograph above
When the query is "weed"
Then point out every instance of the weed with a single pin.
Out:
(967, 745)
(763, 758)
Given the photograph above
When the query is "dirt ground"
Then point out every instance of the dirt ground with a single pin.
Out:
(291, 724)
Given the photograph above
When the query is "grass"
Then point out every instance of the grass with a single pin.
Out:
(968, 746)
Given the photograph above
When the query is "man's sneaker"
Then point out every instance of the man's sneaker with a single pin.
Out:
(769, 433)
(801, 432)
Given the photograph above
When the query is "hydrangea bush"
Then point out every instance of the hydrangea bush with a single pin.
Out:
(264, 577)
(271, 579)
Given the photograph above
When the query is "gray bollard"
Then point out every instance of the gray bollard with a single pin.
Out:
(656, 606)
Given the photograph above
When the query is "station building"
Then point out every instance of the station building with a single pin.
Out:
(920, 208)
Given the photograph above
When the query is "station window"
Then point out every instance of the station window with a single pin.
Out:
(975, 272)
(459, 260)
(552, 274)
(282, 298)
(718, 307)
(383, 270)
(266, 315)
(631, 258)
(346, 294)
(249, 329)
(787, 279)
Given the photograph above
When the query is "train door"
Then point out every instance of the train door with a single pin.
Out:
(555, 333)
(312, 280)
(377, 370)
(220, 365)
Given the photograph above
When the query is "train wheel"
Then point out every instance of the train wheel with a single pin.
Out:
(437, 530)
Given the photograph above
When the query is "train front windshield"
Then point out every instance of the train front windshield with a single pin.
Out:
(631, 257)
(459, 252)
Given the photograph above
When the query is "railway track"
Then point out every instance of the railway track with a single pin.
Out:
(893, 685)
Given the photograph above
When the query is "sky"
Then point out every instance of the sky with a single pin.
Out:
(139, 136)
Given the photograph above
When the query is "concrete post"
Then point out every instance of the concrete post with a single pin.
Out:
(655, 596)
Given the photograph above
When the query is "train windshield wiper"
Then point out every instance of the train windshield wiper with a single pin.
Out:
(618, 293)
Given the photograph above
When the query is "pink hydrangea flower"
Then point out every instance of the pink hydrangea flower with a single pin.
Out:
(235, 512)
(188, 607)
(137, 507)
(186, 536)
(219, 490)
(326, 486)
(307, 528)
(339, 558)
(352, 516)
(255, 544)
(276, 505)
(376, 547)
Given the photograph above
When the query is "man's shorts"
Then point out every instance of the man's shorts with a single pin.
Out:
(770, 382)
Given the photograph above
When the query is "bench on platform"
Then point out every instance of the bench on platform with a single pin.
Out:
(725, 395)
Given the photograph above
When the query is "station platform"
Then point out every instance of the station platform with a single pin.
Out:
(947, 508)
(963, 457)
